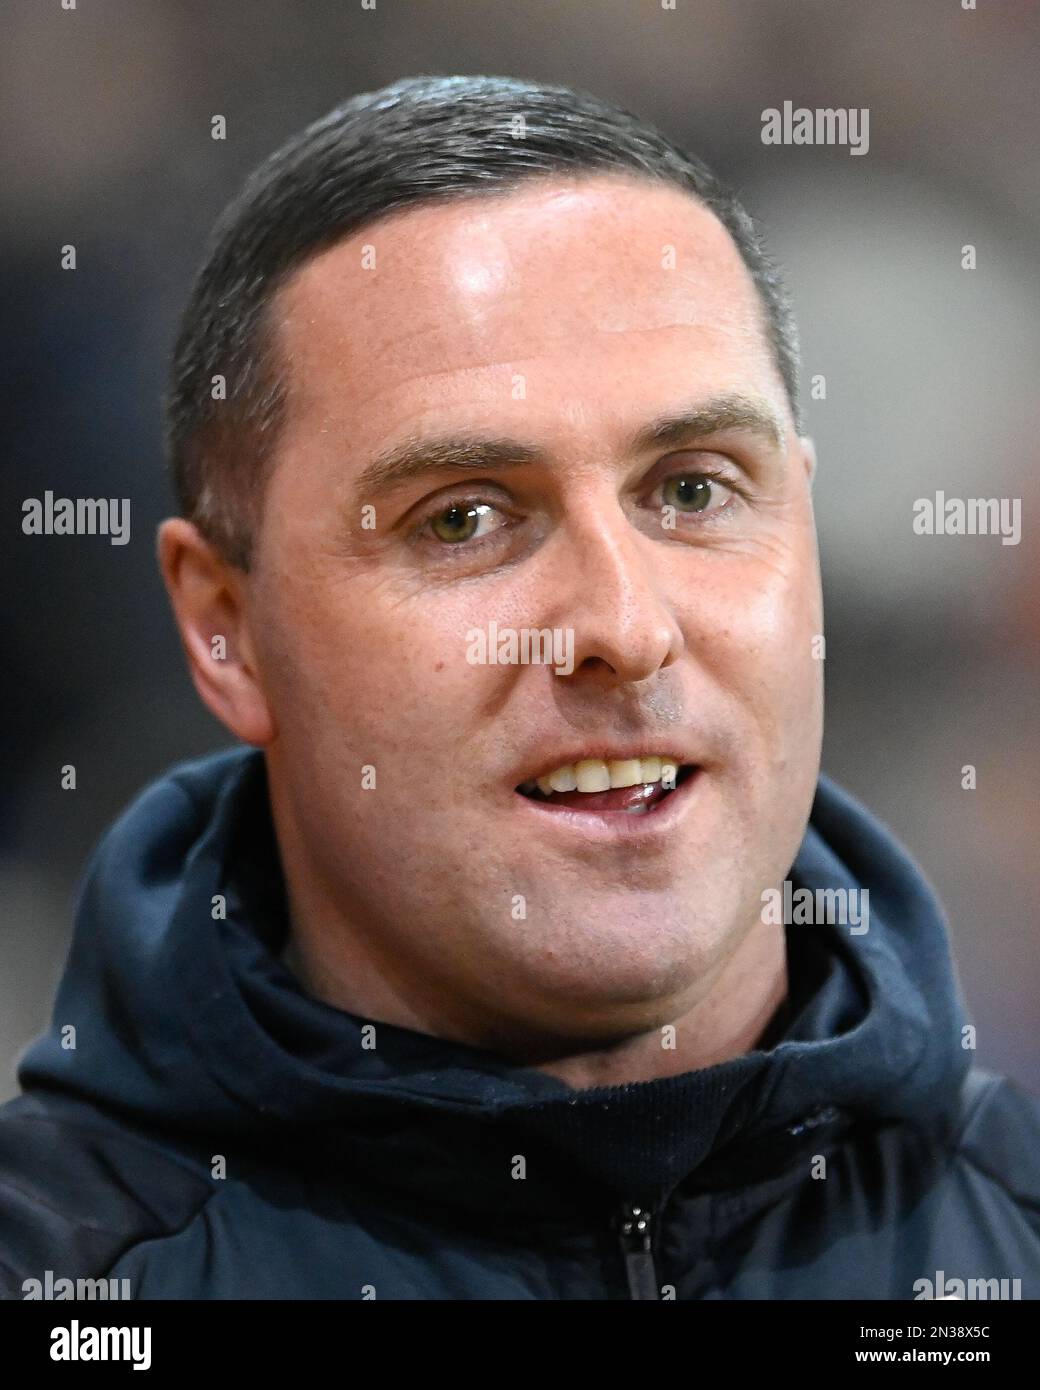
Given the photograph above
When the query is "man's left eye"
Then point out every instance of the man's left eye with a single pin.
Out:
(465, 521)
(694, 492)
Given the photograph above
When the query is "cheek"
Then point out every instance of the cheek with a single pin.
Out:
(354, 663)
(754, 628)
(759, 652)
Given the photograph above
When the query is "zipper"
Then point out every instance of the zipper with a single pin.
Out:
(635, 1231)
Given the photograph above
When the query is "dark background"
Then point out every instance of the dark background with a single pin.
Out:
(931, 371)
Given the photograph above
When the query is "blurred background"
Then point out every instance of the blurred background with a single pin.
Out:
(931, 374)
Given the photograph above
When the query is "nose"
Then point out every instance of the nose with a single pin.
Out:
(612, 597)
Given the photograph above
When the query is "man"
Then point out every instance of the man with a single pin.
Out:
(487, 969)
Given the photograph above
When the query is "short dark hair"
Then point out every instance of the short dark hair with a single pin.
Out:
(418, 140)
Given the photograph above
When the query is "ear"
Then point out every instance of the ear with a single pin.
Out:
(809, 457)
(208, 598)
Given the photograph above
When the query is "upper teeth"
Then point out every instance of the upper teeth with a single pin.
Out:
(595, 775)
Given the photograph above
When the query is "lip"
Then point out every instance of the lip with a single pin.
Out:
(605, 827)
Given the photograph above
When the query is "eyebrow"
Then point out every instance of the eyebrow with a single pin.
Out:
(749, 414)
(415, 457)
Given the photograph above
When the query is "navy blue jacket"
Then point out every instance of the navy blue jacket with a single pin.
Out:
(214, 1132)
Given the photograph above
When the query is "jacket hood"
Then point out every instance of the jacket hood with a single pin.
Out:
(190, 1027)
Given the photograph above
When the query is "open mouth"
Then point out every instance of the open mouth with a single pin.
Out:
(626, 786)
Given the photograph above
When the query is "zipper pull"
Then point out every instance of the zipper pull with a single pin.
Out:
(635, 1228)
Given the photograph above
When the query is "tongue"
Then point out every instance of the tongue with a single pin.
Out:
(616, 799)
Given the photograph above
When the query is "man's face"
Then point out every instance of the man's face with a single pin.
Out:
(561, 323)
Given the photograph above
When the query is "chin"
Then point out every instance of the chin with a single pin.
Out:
(621, 955)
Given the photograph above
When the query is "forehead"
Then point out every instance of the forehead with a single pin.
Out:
(600, 291)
